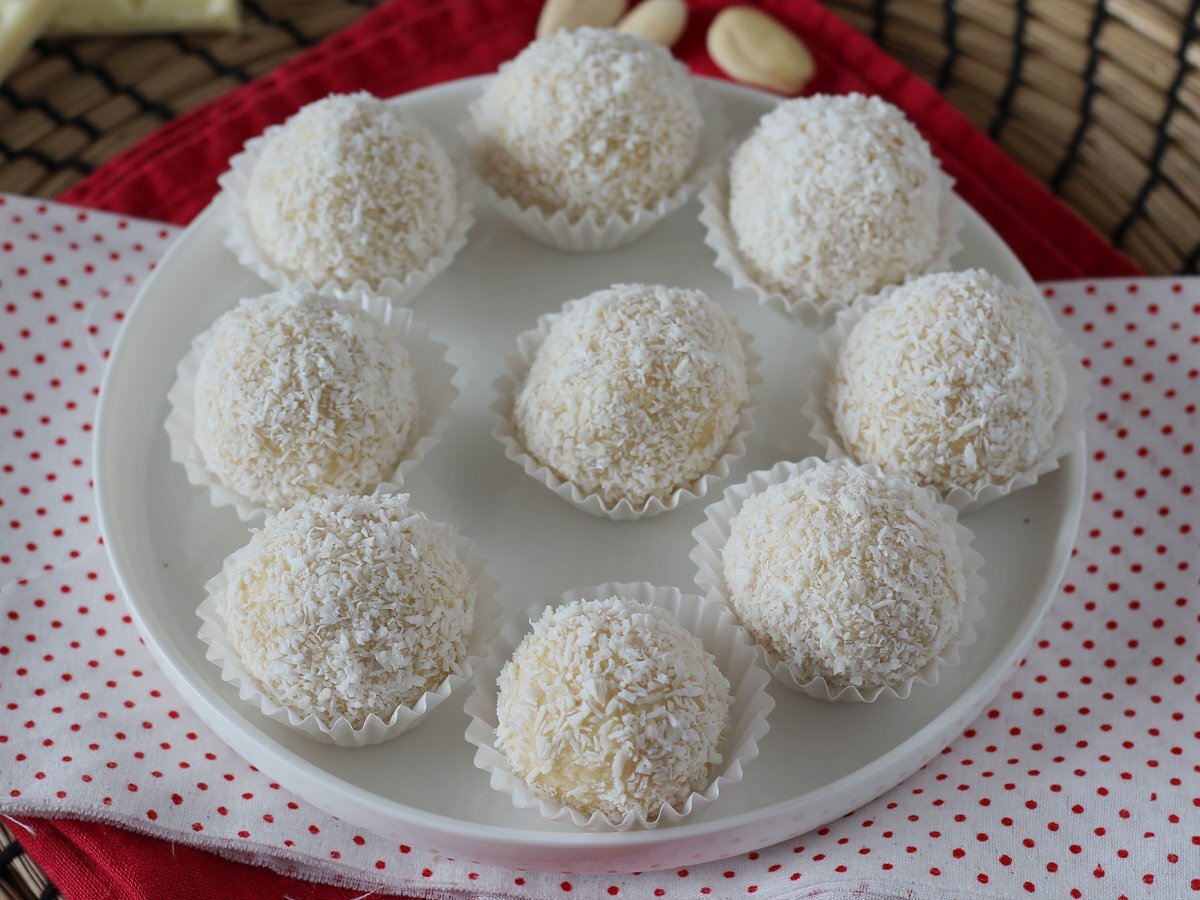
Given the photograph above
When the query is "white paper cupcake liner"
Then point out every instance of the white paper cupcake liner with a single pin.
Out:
(717, 629)
(433, 376)
(708, 554)
(964, 499)
(240, 239)
(720, 238)
(374, 730)
(517, 368)
(591, 233)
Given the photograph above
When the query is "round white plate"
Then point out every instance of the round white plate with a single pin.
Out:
(819, 761)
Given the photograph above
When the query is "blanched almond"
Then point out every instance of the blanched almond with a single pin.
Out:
(753, 47)
(661, 21)
(560, 15)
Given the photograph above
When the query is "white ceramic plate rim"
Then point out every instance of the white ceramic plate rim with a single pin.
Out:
(290, 768)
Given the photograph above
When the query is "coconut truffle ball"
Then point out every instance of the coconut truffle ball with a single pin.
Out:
(834, 197)
(590, 120)
(846, 575)
(954, 379)
(635, 392)
(300, 395)
(351, 189)
(344, 606)
(611, 706)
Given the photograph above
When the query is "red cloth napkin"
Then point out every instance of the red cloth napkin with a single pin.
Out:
(89, 861)
(407, 44)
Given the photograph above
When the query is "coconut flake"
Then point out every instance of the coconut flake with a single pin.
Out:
(588, 120)
(612, 706)
(344, 606)
(846, 575)
(953, 379)
(298, 395)
(635, 391)
(351, 189)
(834, 197)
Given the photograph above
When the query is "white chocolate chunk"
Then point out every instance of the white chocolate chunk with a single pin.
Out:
(138, 16)
(21, 23)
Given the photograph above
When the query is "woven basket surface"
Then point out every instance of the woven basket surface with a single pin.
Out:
(1100, 99)
(72, 104)
(20, 878)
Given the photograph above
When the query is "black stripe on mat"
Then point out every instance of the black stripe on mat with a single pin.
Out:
(949, 34)
(9, 853)
(1004, 103)
(282, 24)
(63, 49)
(879, 11)
(46, 161)
(218, 67)
(1085, 103)
(49, 892)
(49, 112)
(1160, 142)
(1191, 265)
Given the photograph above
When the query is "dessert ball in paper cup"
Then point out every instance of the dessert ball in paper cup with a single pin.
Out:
(349, 618)
(294, 394)
(622, 706)
(590, 137)
(831, 198)
(631, 401)
(350, 192)
(855, 584)
(958, 380)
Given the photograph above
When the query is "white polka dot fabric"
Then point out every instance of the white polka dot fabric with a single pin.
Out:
(1080, 780)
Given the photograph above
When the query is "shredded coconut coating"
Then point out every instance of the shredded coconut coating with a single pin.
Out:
(954, 379)
(349, 605)
(351, 189)
(846, 575)
(589, 120)
(635, 392)
(299, 395)
(612, 706)
(833, 197)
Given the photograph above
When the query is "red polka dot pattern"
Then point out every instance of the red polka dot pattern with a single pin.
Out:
(1081, 780)
(56, 262)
